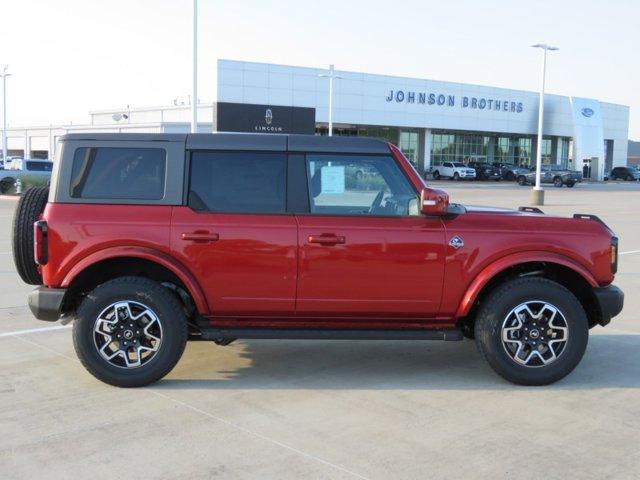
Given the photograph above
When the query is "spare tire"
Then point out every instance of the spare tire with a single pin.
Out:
(28, 210)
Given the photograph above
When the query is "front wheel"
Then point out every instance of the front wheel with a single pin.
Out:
(130, 332)
(630, 178)
(532, 331)
(456, 176)
(522, 180)
(571, 184)
(557, 182)
(436, 175)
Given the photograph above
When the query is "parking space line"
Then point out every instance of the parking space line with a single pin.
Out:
(629, 252)
(16, 333)
(201, 412)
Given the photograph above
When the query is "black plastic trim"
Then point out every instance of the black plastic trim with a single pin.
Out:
(330, 334)
(46, 303)
(610, 300)
(530, 210)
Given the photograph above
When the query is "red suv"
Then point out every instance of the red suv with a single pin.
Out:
(150, 240)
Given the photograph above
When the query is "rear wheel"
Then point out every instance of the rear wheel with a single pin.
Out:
(629, 178)
(29, 208)
(522, 180)
(510, 176)
(532, 331)
(130, 332)
(456, 176)
(436, 175)
(557, 182)
(571, 184)
(6, 184)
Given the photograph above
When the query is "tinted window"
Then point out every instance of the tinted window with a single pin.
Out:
(238, 182)
(118, 173)
(40, 166)
(359, 185)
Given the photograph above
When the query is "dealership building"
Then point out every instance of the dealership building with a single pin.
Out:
(431, 121)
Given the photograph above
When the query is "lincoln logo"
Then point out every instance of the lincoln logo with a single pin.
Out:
(587, 112)
(268, 116)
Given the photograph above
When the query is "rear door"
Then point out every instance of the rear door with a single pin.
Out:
(365, 251)
(235, 233)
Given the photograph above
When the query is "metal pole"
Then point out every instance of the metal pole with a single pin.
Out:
(331, 100)
(4, 113)
(194, 95)
(540, 120)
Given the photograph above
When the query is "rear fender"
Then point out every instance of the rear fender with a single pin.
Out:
(146, 254)
(502, 264)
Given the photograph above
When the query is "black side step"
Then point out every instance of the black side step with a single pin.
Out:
(324, 334)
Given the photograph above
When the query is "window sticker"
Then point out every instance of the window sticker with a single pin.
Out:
(332, 179)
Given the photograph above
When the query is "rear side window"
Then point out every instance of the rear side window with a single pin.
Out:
(118, 173)
(238, 182)
(40, 166)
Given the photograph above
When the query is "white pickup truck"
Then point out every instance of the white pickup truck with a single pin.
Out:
(454, 170)
(24, 169)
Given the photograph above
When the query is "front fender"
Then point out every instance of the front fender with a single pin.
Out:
(502, 264)
(146, 254)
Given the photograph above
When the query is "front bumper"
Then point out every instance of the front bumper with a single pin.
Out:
(46, 303)
(610, 300)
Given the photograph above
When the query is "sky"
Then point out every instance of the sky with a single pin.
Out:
(68, 57)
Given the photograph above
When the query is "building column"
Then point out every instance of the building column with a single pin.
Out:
(27, 145)
(425, 151)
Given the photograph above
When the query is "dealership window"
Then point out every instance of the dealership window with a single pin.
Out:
(467, 147)
(238, 182)
(409, 146)
(118, 173)
(359, 185)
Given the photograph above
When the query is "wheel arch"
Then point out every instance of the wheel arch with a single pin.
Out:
(560, 269)
(126, 261)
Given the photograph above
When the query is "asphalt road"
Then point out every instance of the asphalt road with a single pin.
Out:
(294, 409)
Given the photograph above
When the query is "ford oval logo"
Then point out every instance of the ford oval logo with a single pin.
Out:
(587, 112)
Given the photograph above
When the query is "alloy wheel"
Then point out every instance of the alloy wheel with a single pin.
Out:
(127, 334)
(535, 334)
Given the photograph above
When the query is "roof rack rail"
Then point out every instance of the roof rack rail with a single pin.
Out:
(588, 216)
(530, 210)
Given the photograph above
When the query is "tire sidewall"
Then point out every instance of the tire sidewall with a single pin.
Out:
(488, 331)
(150, 294)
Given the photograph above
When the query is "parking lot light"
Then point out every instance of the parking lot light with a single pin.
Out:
(537, 193)
(4, 76)
(331, 76)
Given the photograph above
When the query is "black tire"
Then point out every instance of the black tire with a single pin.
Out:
(456, 176)
(436, 175)
(522, 180)
(557, 182)
(6, 184)
(510, 176)
(613, 178)
(571, 184)
(629, 178)
(29, 208)
(153, 296)
(496, 308)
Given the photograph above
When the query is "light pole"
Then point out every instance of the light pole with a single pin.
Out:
(331, 76)
(537, 193)
(4, 76)
(194, 92)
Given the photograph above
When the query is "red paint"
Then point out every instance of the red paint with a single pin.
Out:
(325, 271)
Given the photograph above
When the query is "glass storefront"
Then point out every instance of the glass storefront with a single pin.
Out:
(479, 147)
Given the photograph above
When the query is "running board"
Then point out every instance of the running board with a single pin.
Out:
(326, 334)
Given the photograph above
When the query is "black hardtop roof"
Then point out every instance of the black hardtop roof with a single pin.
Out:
(247, 141)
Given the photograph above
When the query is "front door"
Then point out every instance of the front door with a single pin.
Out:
(235, 234)
(365, 250)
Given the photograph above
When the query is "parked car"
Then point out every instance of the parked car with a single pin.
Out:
(39, 170)
(149, 240)
(453, 170)
(625, 173)
(486, 171)
(509, 171)
(554, 174)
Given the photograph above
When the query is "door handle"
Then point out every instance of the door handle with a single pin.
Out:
(326, 239)
(203, 237)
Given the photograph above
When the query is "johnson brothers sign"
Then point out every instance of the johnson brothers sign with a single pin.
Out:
(479, 103)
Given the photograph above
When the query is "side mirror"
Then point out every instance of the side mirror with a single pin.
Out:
(433, 202)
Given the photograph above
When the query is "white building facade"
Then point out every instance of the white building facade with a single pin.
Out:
(434, 121)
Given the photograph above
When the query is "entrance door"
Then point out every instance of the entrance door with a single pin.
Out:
(365, 250)
(235, 235)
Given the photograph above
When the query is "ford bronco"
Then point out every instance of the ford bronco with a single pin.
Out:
(146, 241)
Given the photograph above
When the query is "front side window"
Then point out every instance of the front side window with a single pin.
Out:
(118, 173)
(238, 182)
(359, 185)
